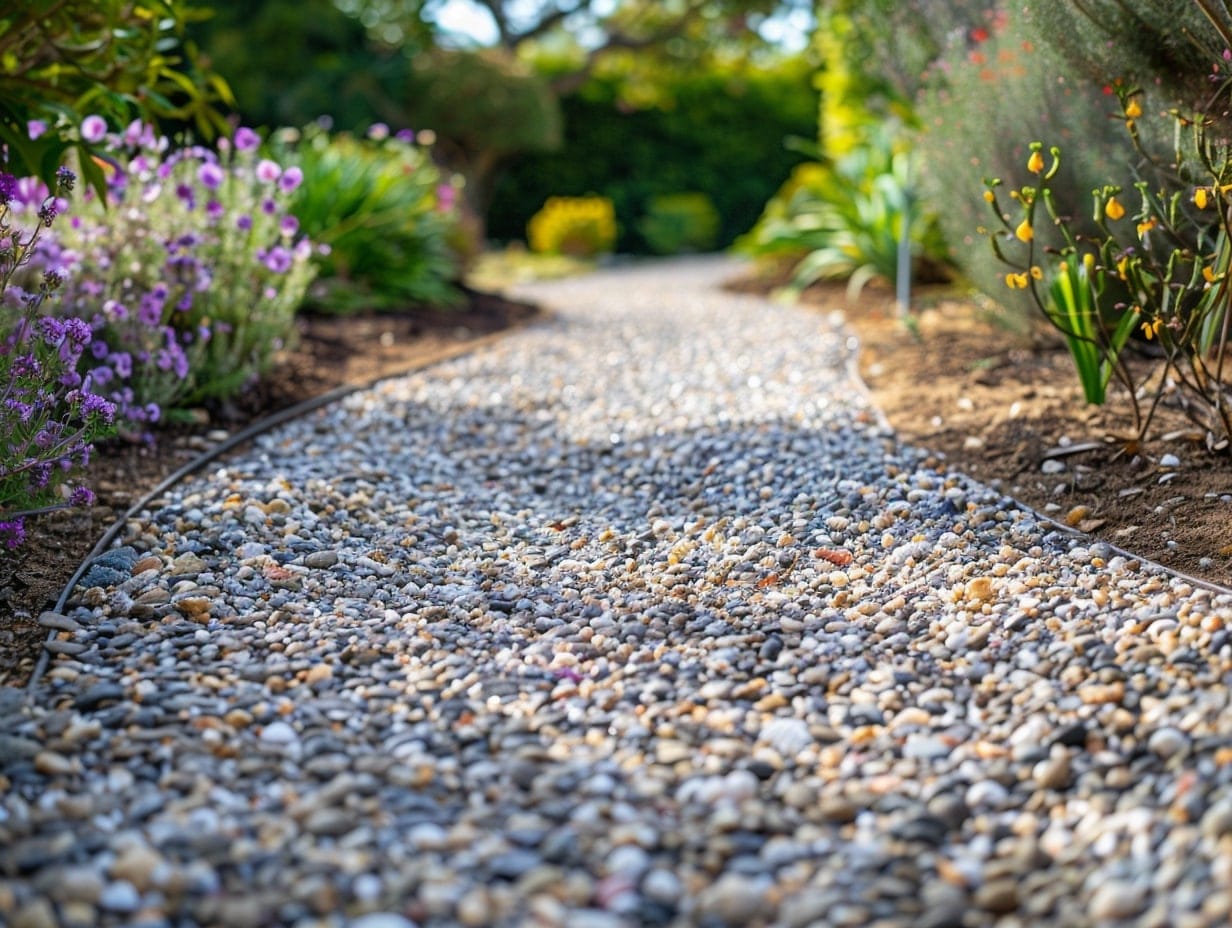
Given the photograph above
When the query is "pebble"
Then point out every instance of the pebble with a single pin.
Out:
(638, 615)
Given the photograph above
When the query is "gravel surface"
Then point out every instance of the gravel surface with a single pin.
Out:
(640, 617)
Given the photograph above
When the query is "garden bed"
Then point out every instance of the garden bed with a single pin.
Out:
(332, 352)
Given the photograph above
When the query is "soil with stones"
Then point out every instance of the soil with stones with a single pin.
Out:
(1003, 403)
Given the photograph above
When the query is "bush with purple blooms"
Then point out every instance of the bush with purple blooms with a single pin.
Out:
(49, 417)
(190, 274)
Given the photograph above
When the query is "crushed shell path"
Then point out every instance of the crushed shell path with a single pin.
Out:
(638, 617)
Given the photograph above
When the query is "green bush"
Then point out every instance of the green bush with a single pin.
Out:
(581, 227)
(61, 61)
(386, 215)
(844, 220)
(715, 132)
(680, 222)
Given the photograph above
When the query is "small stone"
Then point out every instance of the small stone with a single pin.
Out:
(998, 896)
(1169, 460)
(1053, 773)
(381, 920)
(1217, 820)
(279, 733)
(1117, 899)
(319, 560)
(1052, 466)
(61, 623)
(733, 900)
(37, 913)
(1167, 742)
(137, 864)
(669, 751)
(787, 736)
(186, 565)
(120, 896)
(52, 764)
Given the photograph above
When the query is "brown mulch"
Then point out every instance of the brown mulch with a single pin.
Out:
(996, 401)
(332, 352)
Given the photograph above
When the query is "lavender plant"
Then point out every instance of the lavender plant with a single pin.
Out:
(49, 417)
(190, 273)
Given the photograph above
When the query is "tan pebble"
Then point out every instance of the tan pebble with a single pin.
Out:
(137, 864)
(1076, 515)
(318, 673)
(37, 913)
(1101, 693)
(147, 563)
(280, 506)
(194, 608)
(51, 764)
(474, 909)
(998, 896)
(775, 700)
(981, 589)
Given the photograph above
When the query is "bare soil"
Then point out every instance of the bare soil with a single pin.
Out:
(332, 352)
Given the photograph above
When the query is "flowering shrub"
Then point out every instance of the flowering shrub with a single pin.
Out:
(1158, 263)
(386, 215)
(581, 227)
(190, 273)
(49, 419)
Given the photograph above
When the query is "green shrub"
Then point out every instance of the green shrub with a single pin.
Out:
(680, 222)
(386, 215)
(581, 227)
(844, 220)
(714, 131)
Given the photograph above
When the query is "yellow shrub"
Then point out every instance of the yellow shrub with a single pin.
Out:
(577, 226)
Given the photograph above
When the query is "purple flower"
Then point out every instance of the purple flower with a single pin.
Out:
(243, 222)
(246, 139)
(278, 260)
(289, 226)
(185, 193)
(8, 188)
(92, 404)
(268, 171)
(35, 128)
(99, 350)
(268, 206)
(13, 533)
(214, 210)
(52, 331)
(151, 311)
(210, 175)
(123, 363)
(78, 330)
(93, 128)
(81, 496)
(292, 177)
(405, 135)
(378, 131)
(153, 412)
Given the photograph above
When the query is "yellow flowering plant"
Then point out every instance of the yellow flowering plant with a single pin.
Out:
(1156, 270)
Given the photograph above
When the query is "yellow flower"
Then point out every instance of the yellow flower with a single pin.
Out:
(1016, 281)
(1035, 164)
(1024, 231)
(1151, 329)
(1200, 198)
(1122, 267)
(1133, 109)
(1036, 272)
(1145, 227)
(1113, 209)
(988, 196)
(1210, 276)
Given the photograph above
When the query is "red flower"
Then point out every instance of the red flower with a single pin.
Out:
(979, 34)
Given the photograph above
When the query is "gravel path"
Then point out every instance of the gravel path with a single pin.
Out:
(640, 617)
